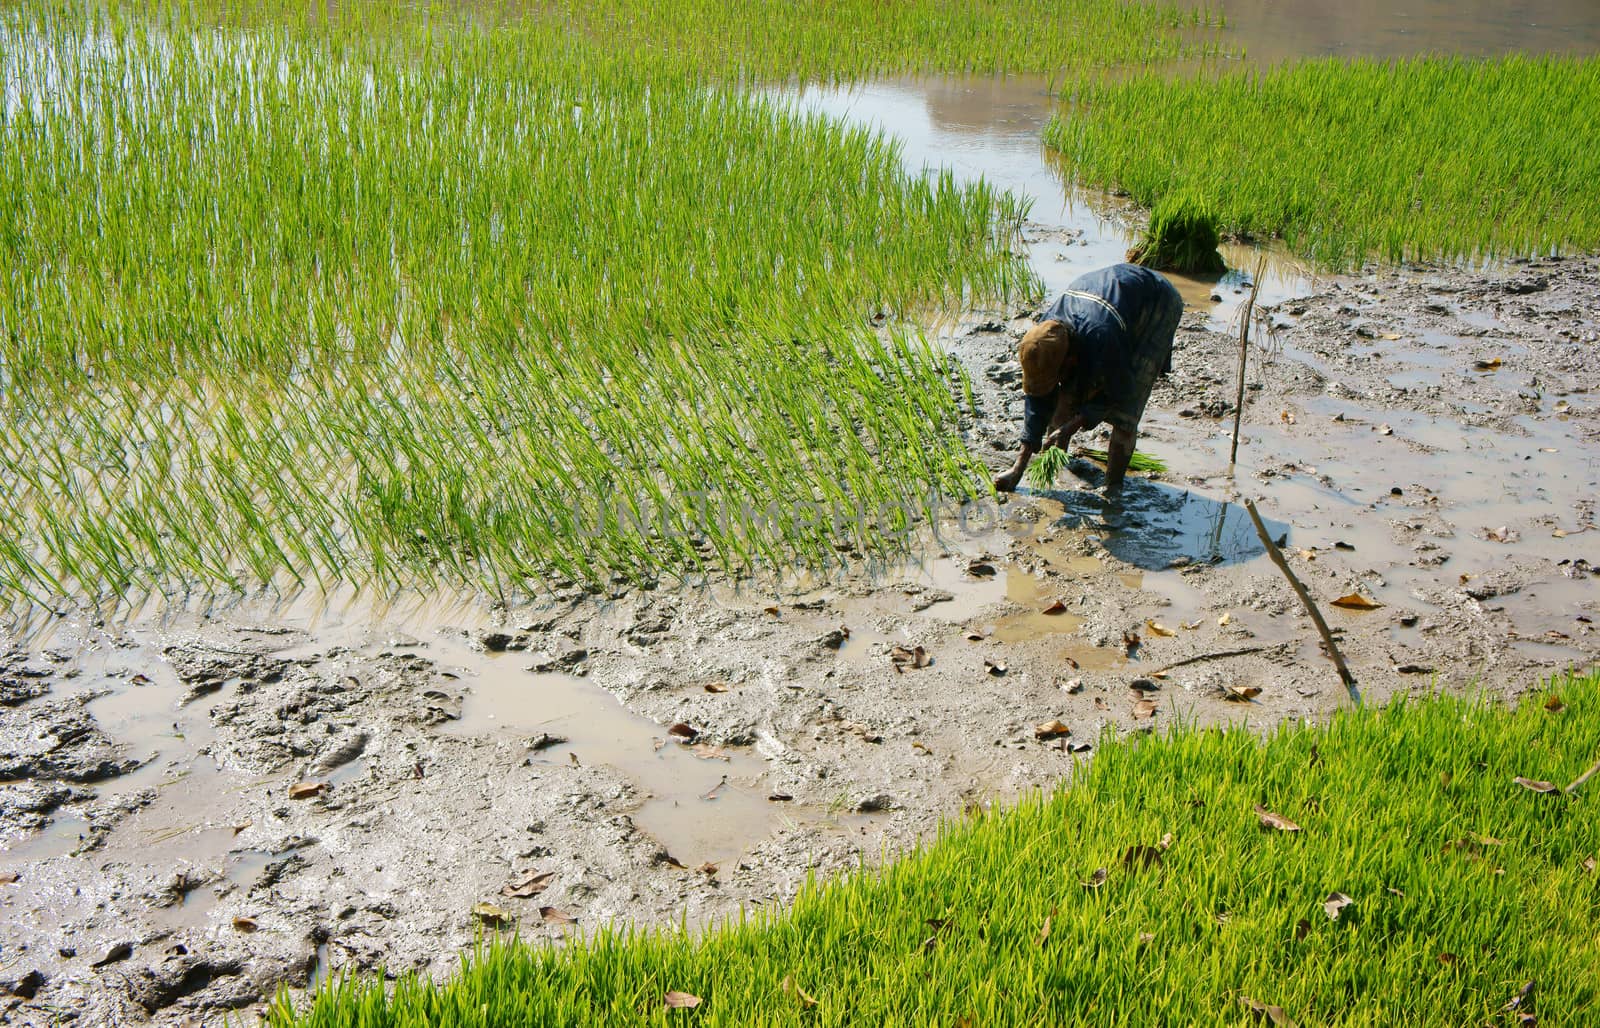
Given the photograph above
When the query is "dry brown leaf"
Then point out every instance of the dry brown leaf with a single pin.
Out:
(245, 924)
(708, 869)
(490, 914)
(1223, 621)
(241, 826)
(1240, 692)
(528, 884)
(981, 569)
(1100, 703)
(1270, 820)
(1267, 1012)
(306, 790)
(1487, 365)
(1190, 626)
(1072, 686)
(1095, 880)
(773, 610)
(1390, 336)
(682, 730)
(1334, 905)
(706, 751)
(801, 996)
(1144, 685)
(921, 747)
(1554, 705)
(10, 878)
(681, 1001)
(1140, 856)
(1356, 601)
(1056, 608)
(1051, 729)
(553, 916)
(1159, 630)
(1502, 534)
(1145, 709)
(716, 687)
(915, 657)
(1044, 929)
(995, 668)
(976, 637)
(1447, 959)
(1533, 785)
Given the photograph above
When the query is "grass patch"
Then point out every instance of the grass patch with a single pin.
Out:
(1182, 236)
(1430, 157)
(1464, 886)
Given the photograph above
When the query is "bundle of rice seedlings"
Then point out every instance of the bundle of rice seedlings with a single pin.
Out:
(1182, 237)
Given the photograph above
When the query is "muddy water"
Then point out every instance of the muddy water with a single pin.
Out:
(1269, 31)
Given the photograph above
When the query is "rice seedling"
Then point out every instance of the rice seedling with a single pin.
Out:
(1182, 236)
(1424, 158)
(1387, 868)
(1140, 461)
(1046, 467)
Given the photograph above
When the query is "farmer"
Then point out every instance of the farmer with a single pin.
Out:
(1093, 358)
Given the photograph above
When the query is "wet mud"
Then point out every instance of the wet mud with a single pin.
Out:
(201, 809)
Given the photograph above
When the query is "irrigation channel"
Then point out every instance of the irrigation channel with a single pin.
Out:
(1424, 438)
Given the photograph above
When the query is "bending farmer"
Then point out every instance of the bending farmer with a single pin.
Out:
(1094, 357)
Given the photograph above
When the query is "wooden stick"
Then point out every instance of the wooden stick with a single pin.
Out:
(1584, 777)
(1244, 352)
(1219, 655)
(1345, 676)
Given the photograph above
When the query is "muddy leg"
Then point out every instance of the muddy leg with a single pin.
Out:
(1118, 453)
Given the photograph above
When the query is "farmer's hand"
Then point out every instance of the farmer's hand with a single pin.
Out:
(1006, 482)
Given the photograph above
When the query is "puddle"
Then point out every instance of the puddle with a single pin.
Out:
(701, 804)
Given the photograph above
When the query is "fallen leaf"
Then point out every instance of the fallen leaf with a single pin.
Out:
(997, 669)
(1056, 608)
(706, 751)
(976, 637)
(1190, 626)
(553, 916)
(1044, 929)
(573, 759)
(1447, 959)
(1342, 545)
(1390, 336)
(1533, 785)
(1307, 554)
(921, 747)
(1159, 630)
(1560, 533)
(792, 988)
(527, 884)
(1222, 622)
(490, 914)
(9, 878)
(1239, 693)
(916, 657)
(1100, 703)
(1502, 534)
(1270, 820)
(1072, 686)
(1267, 1012)
(981, 569)
(716, 687)
(1492, 364)
(241, 826)
(1385, 430)
(1144, 709)
(683, 731)
(1356, 601)
(1140, 856)
(120, 951)
(1523, 996)
(1287, 417)
(306, 790)
(244, 924)
(771, 610)
(1144, 685)
(1335, 904)
(1081, 747)
(1050, 730)
(681, 1001)
(1554, 705)
(1068, 660)
(708, 869)
(1095, 880)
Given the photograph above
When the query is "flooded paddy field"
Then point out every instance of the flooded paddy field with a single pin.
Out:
(200, 807)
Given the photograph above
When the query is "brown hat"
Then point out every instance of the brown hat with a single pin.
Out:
(1042, 352)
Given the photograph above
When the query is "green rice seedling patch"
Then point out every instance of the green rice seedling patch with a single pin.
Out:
(283, 307)
(1388, 868)
(1424, 158)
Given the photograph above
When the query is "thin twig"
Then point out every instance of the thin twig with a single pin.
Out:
(1244, 351)
(1584, 777)
(1345, 676)
(1219, 655)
